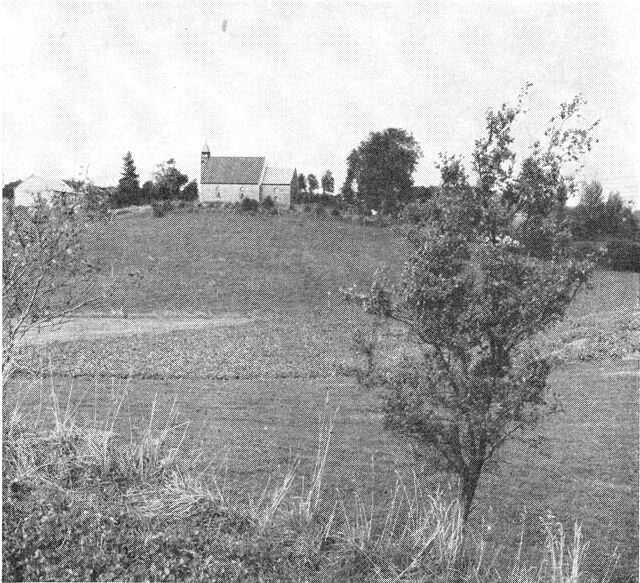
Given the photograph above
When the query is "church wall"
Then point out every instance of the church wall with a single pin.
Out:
(280, 193)
(228, 192)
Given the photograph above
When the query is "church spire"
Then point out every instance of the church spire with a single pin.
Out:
(205, 154)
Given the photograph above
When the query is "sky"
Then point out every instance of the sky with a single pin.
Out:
(304, 83)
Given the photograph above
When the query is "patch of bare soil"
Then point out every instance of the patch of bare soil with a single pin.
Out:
(89, 328)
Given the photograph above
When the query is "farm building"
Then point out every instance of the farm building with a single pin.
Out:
(34, 187)
(233, 178)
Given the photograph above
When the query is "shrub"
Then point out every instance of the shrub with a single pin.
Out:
(267, 203)
(326, 199)
(161, 207)
(623, 256)
(418, 212)
(249, 205)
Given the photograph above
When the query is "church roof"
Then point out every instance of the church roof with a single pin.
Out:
(232, 170)
(205, 148)
(278, 175)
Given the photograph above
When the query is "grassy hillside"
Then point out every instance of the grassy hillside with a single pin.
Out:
(215, 262)
(252, 388)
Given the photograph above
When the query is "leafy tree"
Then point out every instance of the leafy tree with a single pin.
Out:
(381, 168)
(148, 192)
(472, 301)
(423, 193)
(9, 188)
(589, 212)
(190, 191)
(348, 190)
(128, 192)
(593, 218)
(302, 183)
(169, 181)
(328, 182)
(312, 181)
(618, 219)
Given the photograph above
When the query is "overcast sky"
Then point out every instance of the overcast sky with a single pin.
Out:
(303, 83)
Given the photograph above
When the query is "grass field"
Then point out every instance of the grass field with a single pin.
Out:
(254, 334)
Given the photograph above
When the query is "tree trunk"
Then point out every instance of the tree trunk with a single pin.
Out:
(468, 485)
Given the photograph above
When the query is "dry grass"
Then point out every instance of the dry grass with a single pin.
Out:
(417, 536)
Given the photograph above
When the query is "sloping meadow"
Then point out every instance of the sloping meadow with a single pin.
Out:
(225, 490)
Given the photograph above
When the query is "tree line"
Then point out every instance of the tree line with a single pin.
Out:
(595, 219)
(380, 178)
(307, 187)
(168, 183)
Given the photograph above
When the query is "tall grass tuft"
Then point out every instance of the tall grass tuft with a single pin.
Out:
(84, 501)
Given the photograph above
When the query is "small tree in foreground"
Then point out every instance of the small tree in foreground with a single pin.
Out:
(45, 274)
(473, 299)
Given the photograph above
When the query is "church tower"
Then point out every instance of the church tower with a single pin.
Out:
(205, 154)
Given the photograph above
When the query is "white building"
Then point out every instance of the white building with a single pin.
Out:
(34, 187)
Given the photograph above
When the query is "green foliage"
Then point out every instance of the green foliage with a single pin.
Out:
(423, 193)
(312, 181)
(168, 181)
(45, 273)
(380, 171)
(249, 205)
(128, 192)
(593, 218)
(473, 297)
(161, 207)
(190, 192)
(9, 188)
(93, 201)
(328, 182)
(623, 256)
(268, 203)
(302, 183)
(147, 194)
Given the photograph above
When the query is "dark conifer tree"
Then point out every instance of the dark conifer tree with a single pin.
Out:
(128, 192)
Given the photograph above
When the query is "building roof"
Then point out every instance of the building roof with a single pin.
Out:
(232, 170)
(37, 184)
(205, 148)
(278, 175)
